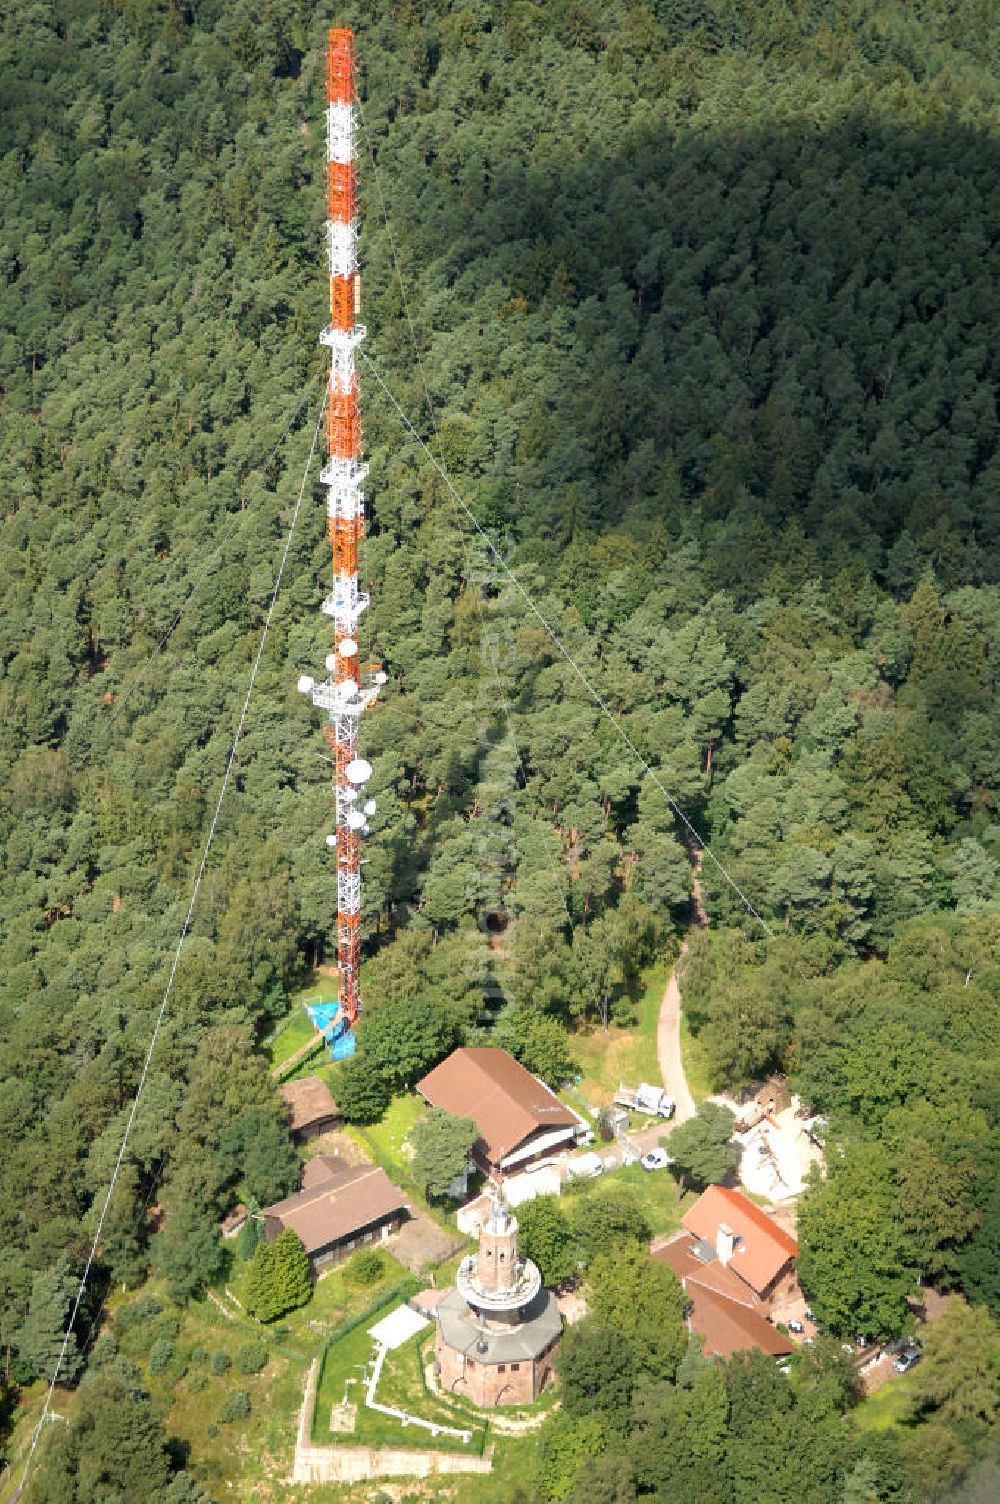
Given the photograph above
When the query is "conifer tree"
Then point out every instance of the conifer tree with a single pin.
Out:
(279, 1279)
(40, 1339)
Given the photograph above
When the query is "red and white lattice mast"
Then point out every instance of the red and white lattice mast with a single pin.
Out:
(346, 693)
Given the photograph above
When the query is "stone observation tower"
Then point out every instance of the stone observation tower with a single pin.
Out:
(497, 1330)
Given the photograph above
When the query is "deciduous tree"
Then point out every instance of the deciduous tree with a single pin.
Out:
(641, 1298)
(441, 1145)
(855, 1260)
(701, 1148)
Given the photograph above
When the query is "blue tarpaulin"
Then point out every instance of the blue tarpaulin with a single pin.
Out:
(331, 1023)
(323, 1015)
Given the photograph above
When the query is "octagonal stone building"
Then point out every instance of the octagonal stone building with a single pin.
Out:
(498, 1329)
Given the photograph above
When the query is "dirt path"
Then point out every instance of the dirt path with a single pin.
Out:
(668, 1047)
(668, 1028)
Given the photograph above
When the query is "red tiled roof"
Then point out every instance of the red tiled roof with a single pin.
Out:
(763, 1248)
(726, 1327)
(504, 1100)
(714, 1275)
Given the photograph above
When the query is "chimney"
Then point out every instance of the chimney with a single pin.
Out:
(725, 1243)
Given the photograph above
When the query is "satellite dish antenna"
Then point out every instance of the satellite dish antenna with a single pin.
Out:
(331, 840)
(370, 806)
(331, 661)
(348, 648)
(306, 685)
(359, 771)
(381, 678)
(355, 820)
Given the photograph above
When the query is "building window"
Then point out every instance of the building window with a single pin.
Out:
(502, 1368)
(470, 1362)
(514, 1367)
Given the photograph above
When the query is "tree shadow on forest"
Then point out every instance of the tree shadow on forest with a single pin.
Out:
(799, 326)
(776, 344)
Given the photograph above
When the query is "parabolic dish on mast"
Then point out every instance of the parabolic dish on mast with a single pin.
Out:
(344, 695)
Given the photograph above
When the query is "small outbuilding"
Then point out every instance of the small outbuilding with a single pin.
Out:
(349, 1206)
(310, 1106)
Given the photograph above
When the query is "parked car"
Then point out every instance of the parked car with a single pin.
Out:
(796, 1326)
(906, 1360)
(655, 1159)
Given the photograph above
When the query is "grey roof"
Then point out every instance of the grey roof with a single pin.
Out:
(462, 1330)
(703, 1250)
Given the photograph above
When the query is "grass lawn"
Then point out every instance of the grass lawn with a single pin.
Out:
(385, 1139)
(244, 1456)
(656, 1190)
(384, 1142)
(296, 1028)
(694, 1061)
(247, 1459)
(888, 1406)
(335, 1298)
(344, 1368)
(608, 1057)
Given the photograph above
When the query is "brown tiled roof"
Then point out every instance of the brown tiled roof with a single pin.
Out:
(504, 1100)
(236, 1219)
(308, 1101)
(763, 1248)
(726, 1327)
(711, 1274)
(318, 1169)
(335, 1209)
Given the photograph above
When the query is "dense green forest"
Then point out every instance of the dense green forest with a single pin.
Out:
(698, 304)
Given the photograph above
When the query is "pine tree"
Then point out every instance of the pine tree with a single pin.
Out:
(258, 1297)
(40, 1339)
(292, 1271)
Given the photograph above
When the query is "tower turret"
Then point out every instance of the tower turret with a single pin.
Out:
(495, 1281)
(498, 1329)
